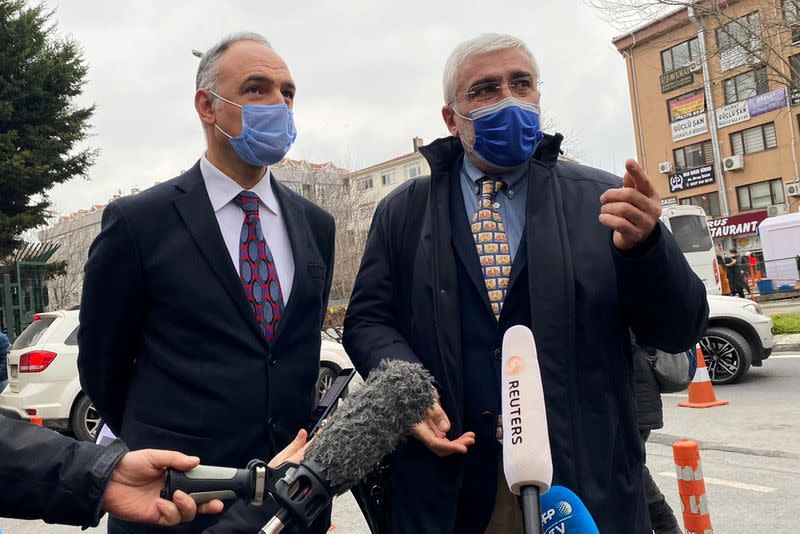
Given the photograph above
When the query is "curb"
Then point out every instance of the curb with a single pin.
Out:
(786, 347)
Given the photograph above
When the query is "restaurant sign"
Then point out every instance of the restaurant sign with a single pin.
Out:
(736, 225)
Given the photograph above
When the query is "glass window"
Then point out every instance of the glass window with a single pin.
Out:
(760, 195)
(680, 55)
(709, 202)
(691, 233)
(791, 13)
(671, 101)
(755, 139)
(413, 170)
(746, 85)
(31, 335)
(364, 183)
(72, 339)
(388, 178)
(692, 156)
(794, 65)
(745, 31)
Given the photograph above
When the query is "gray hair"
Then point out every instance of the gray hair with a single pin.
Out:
(207, 69)
(482, 44)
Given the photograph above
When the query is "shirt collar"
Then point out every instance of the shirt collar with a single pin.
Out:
(512, 178)
(222, 189)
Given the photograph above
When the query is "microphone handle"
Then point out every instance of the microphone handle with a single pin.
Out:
(531, 509)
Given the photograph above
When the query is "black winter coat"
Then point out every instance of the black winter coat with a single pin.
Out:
(44, 475)
(584, 297)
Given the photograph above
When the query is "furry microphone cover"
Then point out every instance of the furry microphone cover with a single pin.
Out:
(371, 423)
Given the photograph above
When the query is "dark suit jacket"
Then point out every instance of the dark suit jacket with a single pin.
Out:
(584, 295)
(170, 351)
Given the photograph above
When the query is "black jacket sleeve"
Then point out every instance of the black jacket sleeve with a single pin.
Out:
(371, 332)
(45, 475)
(663, 300)
(111, 314)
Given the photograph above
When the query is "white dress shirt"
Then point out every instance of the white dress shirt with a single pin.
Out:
(222, 191)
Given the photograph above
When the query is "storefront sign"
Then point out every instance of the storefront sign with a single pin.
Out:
(691, 178)
(733, 114)
(736, 225)
(676, 78)
(669, 201)
(688, 107)
(767, 102)
(690, 127)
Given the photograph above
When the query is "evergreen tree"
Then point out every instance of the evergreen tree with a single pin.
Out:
(40, 126)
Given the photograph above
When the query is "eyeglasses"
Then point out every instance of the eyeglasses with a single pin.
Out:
(521, 87)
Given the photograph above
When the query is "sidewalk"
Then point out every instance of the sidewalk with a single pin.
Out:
(787, 343)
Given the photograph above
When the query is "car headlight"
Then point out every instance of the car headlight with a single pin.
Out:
(753, 307)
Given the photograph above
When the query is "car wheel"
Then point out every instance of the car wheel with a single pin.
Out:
(84, 422)
(325, 380)
(727, 355)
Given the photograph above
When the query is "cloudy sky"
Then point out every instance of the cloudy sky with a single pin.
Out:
(368, 75)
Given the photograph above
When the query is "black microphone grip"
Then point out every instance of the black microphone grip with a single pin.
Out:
(205, 483)
(531, 510)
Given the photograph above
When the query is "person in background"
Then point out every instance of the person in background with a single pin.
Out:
(5, 347)
(723, 276)
(735, 276)
(650, 416)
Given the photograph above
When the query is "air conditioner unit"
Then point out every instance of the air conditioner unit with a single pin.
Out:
(777, 209)
(733, 163)
(793, 189)
(665, 167)
(695, 66)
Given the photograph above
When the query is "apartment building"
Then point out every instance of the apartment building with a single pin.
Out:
(745, 91)
(370, 184)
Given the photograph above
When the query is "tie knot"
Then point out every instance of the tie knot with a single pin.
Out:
(490, 186)
(248, 201)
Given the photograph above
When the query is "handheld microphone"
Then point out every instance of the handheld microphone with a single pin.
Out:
(369, 425)
(527, 462)
(564, 513)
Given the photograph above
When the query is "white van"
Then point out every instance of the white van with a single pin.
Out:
(690, 227)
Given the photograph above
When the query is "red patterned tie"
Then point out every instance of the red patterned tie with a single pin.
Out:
(257, 268)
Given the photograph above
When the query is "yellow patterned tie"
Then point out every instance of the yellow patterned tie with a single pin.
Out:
(492, 243)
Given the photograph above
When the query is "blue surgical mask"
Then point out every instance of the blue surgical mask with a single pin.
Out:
(506, 132)
(267, 133)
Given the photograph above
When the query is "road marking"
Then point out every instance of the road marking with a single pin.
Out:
(784, 357)
(676, 395)
(728, 483)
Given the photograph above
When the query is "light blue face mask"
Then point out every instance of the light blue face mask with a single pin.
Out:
(506, 132)
(267, 133)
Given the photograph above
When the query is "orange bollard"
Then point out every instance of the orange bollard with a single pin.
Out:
(701, 392)
(37, 421)
(691, 487)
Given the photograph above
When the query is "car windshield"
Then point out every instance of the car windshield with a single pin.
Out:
(691, 233)
(31, 335)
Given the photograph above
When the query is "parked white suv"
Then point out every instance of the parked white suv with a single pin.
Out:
(43, 375)
(739, 335)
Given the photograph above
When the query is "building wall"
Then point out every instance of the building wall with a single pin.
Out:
(650, 110)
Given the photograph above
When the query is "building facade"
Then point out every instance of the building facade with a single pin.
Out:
(745, 90)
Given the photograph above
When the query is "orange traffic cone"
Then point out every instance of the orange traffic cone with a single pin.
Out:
(691, 487)
(701, 392)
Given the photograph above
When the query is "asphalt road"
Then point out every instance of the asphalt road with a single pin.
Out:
(750, 453)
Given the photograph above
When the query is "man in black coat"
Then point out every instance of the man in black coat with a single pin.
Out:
(204, 296)
(508, 234)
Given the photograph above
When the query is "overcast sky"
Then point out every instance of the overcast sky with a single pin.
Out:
(368, 75)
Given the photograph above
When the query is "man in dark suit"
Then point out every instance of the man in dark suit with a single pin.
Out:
(507, 235)
(204, 296)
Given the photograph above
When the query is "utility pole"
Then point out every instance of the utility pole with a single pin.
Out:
(710, 110)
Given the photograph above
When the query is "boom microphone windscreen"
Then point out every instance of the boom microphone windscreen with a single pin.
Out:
(371, 423)
(526, 443)
(564, 513)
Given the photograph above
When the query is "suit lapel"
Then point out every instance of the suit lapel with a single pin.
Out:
(195, 209)
(293, 214)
